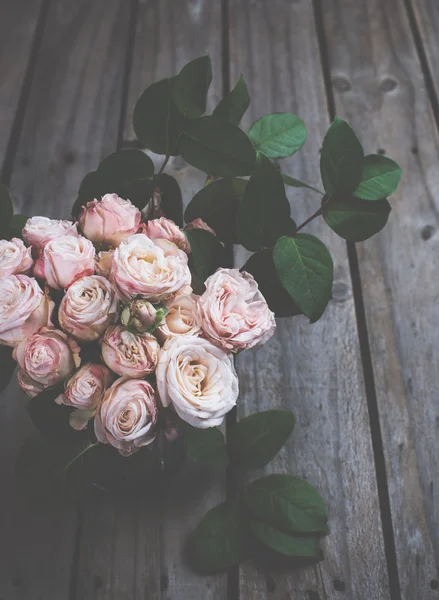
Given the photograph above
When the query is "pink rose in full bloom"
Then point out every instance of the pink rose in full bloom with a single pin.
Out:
(198, 379)
(156, 270)
(130, 354)
(24, 308)
(200, 224)
(182, 318)
(165, 229)
(84, 391)
(38, 231)
(127, 415)
(88, 308)
(15, 258)
(110, 220)
(45, 359)
(234, 313)
(64, 260)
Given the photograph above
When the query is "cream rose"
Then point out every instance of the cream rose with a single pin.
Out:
(110, 220)
(127, 415)
(45, 359)
(38, 231)
(234, 313)
(24, 308)
(64, 260)
(155, 270)
(130, 354)
(88, 308)
(183, 317)
(165, 229)
(198, 379)
(15, 258)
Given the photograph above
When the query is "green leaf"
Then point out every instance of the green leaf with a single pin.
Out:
(8, 365)
(217, 147)
(258, 438)
(356, 220)
(305, 268)
(51, 419)
(190, 87)
(287, 503)
(234, 105)
(219, 542)
(278, 135)
(264, 212)
(380, 178)
(156, 120)
(289, 545)
(171, 201)
(261, 266)
(292, 182)
(205, 446)
(17, 224)
(207, 252)
(341, 159)
(6, 207)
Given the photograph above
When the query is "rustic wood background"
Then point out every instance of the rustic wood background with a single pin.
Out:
(363, 381)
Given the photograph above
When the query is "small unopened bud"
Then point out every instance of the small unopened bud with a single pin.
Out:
(142, 316)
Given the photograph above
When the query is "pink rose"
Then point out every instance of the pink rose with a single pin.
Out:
(84, 391)
(198, 379)
(103, 263)
(165, 229)
(15, 258)
(64, 260)
(155, 270)
(200, 224)
(110, 220)
(127, 415)
(46, 358)
(130, 354)
(24, 308)
(234, 313)
(182, 318)
(88, 308)
(40, 230)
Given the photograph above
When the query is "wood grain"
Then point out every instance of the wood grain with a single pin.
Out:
(314, 370)
(379, 88)
(71, 120)
(426, 20)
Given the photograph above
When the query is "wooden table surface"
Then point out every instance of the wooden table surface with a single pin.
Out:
(363, 381)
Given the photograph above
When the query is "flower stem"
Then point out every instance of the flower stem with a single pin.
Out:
(79, 455)
(313, 216)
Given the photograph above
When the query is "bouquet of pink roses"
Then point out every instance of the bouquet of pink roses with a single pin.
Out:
(124, 322)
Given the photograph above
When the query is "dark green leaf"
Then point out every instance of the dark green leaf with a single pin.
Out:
(219, 542)
(305, 268)
(289, 545)
(356, 220)
(17, 224)
(261, 266)
(278, 135)
(292, 182)
(171, 201)
(6, 207)
(49, 418)
(258, 438)
(264, 212)
(287, 503)
(341, 160)
(234, 105)
(156, 120)
(207, 252)
(217, 147)
(205, 445)
(380, 178)
(8, 365)
(190, 87)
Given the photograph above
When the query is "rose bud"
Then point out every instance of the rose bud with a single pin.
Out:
(183, 317)
(15, 258)
(84, 391)
(155, 270)
(165, 229)
(24, 308)
(127, 415)
(103, 263)
(234, 313)
(38, 231)
(200, 224)
(129, 354)
(64, 260)
(141, 316)
(198, 379)
(109, 221)
(45, 359)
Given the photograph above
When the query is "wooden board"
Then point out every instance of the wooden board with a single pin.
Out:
(379, 87)
(424, 15)
(71, 120)
(314, 370)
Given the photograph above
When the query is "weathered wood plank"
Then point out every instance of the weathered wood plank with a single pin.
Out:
(426, 16)
(313, 370)
(71, 121)
(380, 89)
